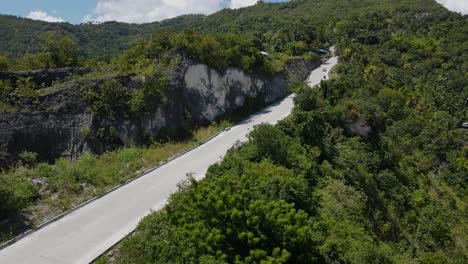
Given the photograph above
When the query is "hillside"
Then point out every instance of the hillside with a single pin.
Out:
(371, 167)
(155, 97)
(278, 23)
(22, 36)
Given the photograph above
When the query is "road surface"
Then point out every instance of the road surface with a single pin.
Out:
(86, 233)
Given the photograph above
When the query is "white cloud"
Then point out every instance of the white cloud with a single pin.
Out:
(242, 3)
(460, 6)
(143, 11)
(41, 15)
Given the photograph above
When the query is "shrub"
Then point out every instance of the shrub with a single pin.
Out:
(4, 64)
(86, 133)
(5, 89)
(25, 87)
(108, 99)
(28, 158)
(16, 193)
(149, 97)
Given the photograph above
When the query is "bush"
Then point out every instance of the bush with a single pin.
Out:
(28, 158)
(5, 89)
(4, 64)
(86, 133)
(16, 193)
(149, 97)
(25, 87)
(108, 99)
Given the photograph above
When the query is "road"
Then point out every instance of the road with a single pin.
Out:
(86, 233)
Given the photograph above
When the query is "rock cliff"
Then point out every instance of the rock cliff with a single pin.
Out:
(61, 124)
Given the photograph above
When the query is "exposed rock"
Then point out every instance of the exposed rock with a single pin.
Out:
(38, 181)
(196, 94)
(360, 127)
(297, 70)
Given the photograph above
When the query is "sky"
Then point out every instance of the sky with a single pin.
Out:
(135, 11)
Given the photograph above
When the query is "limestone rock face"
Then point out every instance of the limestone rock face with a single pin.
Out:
(196, 94)
(209, 93)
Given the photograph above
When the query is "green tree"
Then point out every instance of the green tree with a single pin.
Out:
(110, 98)
(62, 49)
(149, 97)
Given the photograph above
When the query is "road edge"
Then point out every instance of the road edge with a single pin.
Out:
(144, 173)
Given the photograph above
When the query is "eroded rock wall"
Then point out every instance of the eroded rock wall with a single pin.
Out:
(196, 94)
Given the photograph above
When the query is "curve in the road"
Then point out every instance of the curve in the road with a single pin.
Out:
(86, 233)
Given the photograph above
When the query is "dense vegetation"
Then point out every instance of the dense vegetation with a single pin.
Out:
(281, 27)
(370, 168)
(102, 41)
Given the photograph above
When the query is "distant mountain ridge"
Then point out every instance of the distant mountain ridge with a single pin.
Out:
(21, 36)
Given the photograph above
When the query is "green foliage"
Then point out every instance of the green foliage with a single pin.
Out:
(86, 133)
(296, 48)
(16, 193)
(242, 220)
(26, 87)
(4, 63)
(149, 97)
(62, 50)
(216, 50)
(33, 61)
(28, 158)
(110, 98)
(5, 89)
(370, 167)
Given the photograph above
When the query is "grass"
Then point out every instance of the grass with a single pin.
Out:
(67, 183)
(153, 155)
(333, 74)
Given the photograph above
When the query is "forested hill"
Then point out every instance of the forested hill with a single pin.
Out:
(22, 36)
(284, 22)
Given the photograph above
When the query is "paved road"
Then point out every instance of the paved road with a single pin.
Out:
(86, 233)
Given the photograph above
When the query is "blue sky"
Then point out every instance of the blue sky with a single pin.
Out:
(136, 11)
(77, 11)
(72, 11)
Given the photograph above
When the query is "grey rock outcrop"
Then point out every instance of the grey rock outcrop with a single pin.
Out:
(196, 94)
(297, 70)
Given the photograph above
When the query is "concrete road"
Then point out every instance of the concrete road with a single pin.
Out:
(83, 235)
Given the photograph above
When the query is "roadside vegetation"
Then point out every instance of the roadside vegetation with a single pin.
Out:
(35, 192)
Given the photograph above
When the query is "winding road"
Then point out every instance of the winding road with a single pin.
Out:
(86, 233)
